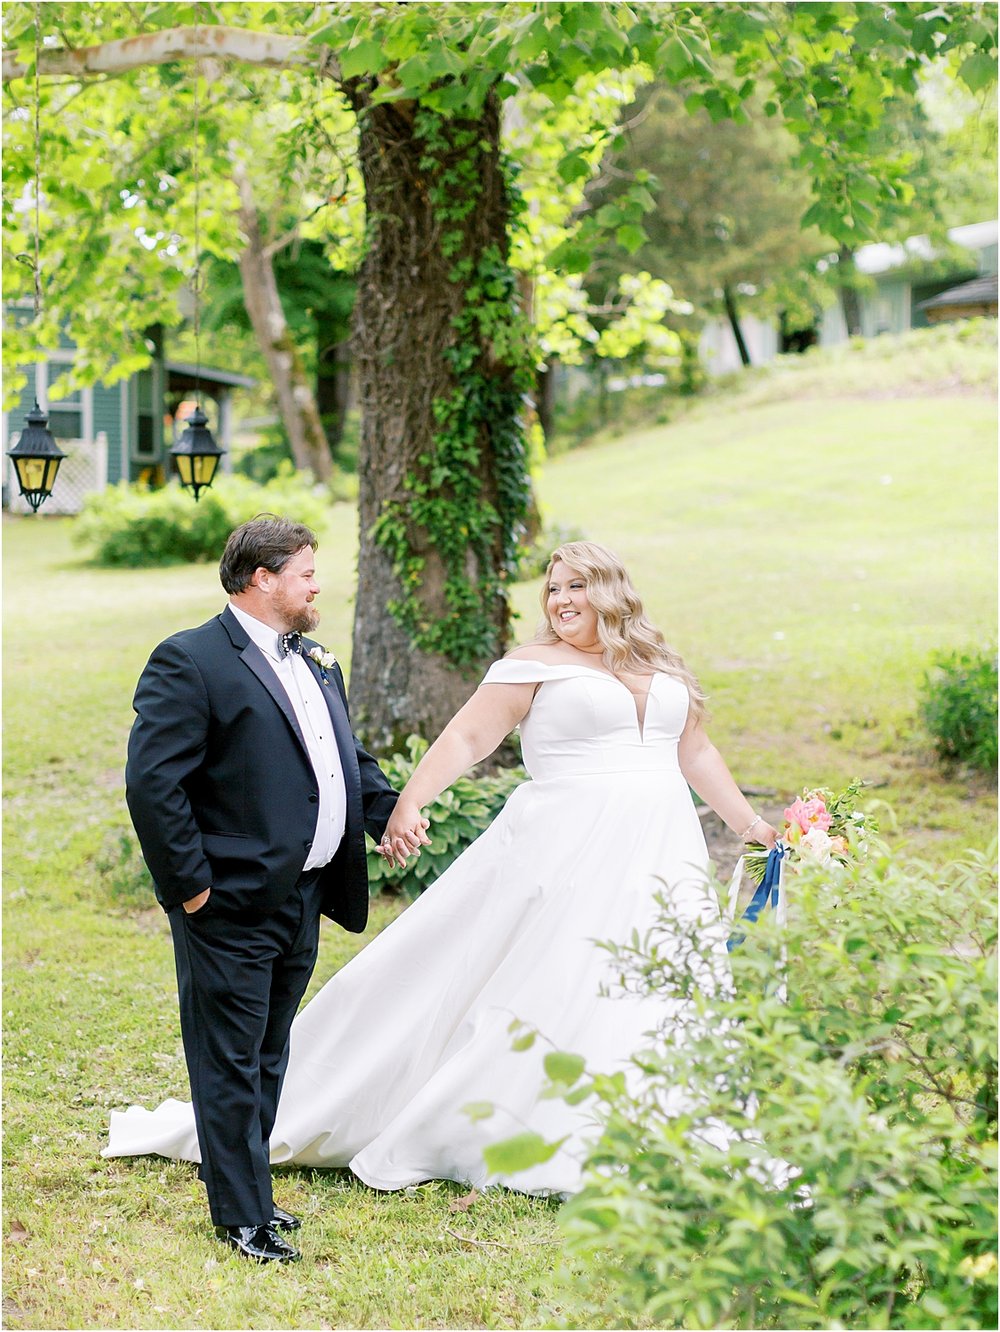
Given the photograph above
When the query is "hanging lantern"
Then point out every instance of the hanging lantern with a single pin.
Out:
(36, 457)
(196, 454)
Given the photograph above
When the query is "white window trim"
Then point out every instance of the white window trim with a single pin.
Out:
(61, 358)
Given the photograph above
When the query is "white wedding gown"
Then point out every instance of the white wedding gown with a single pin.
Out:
(416, 1027)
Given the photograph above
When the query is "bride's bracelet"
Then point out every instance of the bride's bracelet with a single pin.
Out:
(747, 831)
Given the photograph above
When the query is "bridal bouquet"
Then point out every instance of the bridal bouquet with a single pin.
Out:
(820, 826)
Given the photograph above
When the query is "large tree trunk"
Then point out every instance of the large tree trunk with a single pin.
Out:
(407, 302)
(850, 303)
(296, 403)
(729, 300)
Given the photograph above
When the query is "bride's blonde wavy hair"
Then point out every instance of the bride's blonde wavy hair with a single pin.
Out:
(630, 640)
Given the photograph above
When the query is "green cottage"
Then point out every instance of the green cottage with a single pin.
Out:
(118, 432)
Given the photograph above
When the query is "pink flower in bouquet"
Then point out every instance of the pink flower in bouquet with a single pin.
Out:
(813, 834)
(803, 815)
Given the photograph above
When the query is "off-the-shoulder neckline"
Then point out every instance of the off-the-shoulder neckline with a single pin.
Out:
(578, 668)
(566, 666)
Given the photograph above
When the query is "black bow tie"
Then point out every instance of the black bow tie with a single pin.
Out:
(289, 643)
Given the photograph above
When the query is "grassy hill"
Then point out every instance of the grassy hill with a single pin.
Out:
(806, 537)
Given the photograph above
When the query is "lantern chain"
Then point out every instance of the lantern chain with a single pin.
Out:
(38, 159)
(196, 273)
(35, 263)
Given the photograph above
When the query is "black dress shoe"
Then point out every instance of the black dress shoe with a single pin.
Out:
(261, 1243)
(283, 1220)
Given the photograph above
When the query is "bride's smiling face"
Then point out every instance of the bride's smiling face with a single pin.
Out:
(570, 612)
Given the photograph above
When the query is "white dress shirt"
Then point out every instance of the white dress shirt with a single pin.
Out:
(305, 693)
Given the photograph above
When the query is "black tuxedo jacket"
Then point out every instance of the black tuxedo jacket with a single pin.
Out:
(220, 787)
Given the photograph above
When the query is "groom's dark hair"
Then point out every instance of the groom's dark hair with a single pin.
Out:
(265, 542)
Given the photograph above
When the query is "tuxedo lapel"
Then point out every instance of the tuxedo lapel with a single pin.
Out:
(255, 659)
(251, 655)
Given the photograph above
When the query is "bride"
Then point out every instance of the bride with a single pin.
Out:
(418, 1025)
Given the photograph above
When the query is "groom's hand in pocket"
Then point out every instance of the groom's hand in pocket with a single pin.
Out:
(196, 903)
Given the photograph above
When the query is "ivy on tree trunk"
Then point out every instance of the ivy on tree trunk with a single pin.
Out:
(443, 363)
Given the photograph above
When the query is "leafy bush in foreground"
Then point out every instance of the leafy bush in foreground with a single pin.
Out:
(875, 1079)
(959, 708)
(457, 816)
(131, 528)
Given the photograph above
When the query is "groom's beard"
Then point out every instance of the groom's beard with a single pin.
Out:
(300, 619)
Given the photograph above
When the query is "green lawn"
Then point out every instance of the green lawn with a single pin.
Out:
(806, 558)
(806, 555)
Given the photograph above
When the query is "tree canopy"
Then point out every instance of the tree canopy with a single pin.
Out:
(117, 162)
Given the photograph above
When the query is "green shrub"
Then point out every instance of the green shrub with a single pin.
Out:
(959, 707)
(262, 461)
(457, 817)
(130, 528)
(875, 1079)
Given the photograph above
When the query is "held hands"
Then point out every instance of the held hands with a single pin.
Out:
(405, 833)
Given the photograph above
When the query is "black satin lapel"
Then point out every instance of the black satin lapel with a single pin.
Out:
(255, 659)
(240, 637)
(341, 730)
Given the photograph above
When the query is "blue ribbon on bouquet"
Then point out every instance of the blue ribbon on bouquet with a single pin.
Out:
(766, 894)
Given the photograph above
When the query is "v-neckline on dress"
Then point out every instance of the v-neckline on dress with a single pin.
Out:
(640, 719)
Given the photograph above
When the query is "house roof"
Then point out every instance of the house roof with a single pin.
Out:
(189, 371)
(980, 291)
(975, 236)
(882, 257)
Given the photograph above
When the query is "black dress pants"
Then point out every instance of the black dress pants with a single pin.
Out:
(239, 987)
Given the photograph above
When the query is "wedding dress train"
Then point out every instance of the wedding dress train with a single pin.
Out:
(417, 1025)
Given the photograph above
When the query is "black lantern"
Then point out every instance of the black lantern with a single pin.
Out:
(197, 454)
(36, 458)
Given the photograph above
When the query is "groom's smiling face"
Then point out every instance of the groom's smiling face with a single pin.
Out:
(292, 592)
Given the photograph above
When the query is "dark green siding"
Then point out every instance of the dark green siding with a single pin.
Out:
(108, 417)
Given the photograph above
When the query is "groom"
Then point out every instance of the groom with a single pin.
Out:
(251, 797)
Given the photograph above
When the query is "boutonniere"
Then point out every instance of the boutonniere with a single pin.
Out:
(324, 660)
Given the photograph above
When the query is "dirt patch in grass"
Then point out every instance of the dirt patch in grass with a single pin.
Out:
(723, 846)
